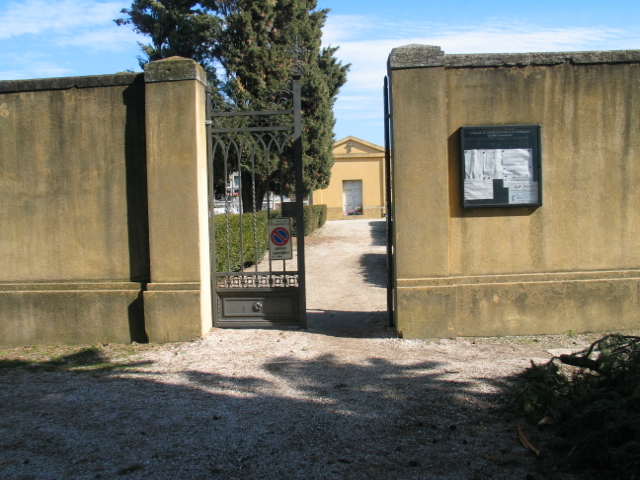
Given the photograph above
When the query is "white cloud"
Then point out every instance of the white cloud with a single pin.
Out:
(30, 65)
(62, 32)
(103, 39)
(55, 16)
(366, 43)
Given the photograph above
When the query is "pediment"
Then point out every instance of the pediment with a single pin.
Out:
(355, 146)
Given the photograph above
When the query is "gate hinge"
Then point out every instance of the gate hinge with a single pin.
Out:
(208, 122)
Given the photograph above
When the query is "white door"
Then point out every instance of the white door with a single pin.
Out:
(352, 195)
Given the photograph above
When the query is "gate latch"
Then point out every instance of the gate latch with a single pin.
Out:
(257, 307)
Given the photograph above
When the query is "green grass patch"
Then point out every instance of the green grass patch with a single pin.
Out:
(93, 358)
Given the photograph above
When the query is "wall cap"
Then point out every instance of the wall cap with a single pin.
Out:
(67, 83)
(420, 56)
(415, 56)
(174, 69)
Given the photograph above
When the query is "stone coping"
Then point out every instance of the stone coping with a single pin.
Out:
(174, 69)
(69, 286)
(421, 56)
(167, 70)
(67, 83)
(173, 287)
(519, 278)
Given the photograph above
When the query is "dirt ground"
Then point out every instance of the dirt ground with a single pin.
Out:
(344, 399)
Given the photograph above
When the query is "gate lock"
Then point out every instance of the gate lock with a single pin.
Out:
(257, 307)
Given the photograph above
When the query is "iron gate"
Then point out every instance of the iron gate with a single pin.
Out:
(256, 197)
(391, 276)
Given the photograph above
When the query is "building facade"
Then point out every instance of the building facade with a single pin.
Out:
(356, 189)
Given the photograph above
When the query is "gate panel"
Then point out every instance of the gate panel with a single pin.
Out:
(391, 276)
(255, 177)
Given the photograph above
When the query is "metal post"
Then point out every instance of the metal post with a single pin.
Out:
(297, 153)
(212, 234)
(388, 193)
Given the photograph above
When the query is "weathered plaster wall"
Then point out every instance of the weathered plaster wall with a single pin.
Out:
(572, 264)
(76, 257)
(73, 172)
(73, 244)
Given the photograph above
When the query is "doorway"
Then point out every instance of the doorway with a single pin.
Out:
(351, 195)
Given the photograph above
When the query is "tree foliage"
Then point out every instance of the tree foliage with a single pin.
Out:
(247, 48)
(592, 399)
(183, 28)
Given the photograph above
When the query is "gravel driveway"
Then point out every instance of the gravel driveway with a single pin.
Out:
(342, 400)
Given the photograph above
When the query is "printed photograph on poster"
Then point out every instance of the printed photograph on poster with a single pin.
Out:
(482, 166)
(500, 166)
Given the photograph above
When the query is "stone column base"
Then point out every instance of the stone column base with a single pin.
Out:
(70, 313)
(172, 312)
(533, 304)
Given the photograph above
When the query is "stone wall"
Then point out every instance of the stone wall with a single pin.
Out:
(571, 264)
(79, 178)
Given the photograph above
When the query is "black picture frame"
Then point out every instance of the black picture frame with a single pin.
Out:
(501, 166)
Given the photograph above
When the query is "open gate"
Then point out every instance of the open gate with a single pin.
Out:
(391, 276)
(256, 203)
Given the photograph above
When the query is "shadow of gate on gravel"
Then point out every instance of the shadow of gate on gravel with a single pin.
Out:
(336, 323)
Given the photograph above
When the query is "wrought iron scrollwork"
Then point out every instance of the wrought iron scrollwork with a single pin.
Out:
(266, 280)
(273, 111)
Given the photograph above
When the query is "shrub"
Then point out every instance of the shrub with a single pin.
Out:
(315, 216)
(322, 216)
(254, 227)
(592, 399)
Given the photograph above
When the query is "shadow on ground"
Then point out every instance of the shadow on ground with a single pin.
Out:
(378, 230)
(373, 269)
(317, 418)
(337, 323)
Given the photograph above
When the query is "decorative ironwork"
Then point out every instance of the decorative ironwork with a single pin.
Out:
(271, 113)
(297, 52)
(255, 163)
(267, 280)
(276, 101)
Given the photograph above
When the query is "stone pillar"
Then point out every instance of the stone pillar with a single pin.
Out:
(177, 302)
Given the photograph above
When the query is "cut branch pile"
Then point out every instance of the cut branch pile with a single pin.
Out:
(592, 399)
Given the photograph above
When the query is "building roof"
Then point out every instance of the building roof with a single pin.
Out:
(356, 147)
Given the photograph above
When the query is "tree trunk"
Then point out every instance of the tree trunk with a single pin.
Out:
(247, 192)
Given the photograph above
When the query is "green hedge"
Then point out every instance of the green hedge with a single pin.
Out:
(315, 217)
(322, 215)
(248, 233)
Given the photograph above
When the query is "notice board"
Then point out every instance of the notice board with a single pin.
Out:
(501, 166)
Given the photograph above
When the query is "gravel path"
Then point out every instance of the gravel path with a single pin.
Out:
(342, 400)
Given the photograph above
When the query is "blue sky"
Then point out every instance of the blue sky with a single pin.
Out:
(53, 38)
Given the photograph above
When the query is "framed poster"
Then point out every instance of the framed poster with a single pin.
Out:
(501, 166)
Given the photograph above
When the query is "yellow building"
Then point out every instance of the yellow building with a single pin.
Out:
(356, 189)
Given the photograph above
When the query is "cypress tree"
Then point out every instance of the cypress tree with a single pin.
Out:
(184, 28)
(246, 46)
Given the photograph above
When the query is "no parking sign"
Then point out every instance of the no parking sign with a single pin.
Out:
(280, 239)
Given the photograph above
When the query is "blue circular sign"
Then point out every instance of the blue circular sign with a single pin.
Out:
(280, 236)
